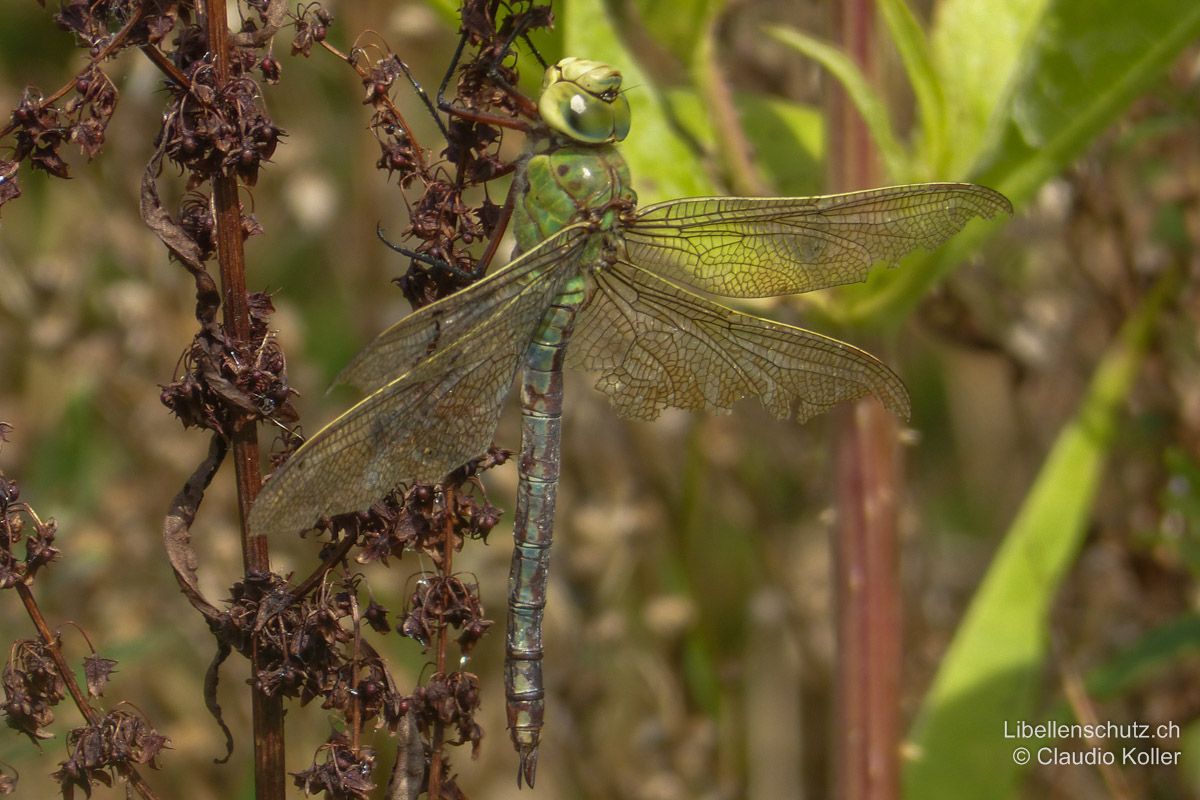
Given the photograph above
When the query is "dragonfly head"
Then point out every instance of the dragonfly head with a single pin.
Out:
(582, 100)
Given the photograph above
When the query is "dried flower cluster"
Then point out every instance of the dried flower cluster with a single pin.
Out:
(339, 769)
(110, 746)
(41, 126)
(32, 687)
(36, 678)
(415, 520)
(487, 79)
(443, 220)
(220, 130)
(38, 541)
(93, 20)
(226, 380)
(308, 646)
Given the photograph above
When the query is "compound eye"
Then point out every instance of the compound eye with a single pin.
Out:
(620, 117)
(584, 117)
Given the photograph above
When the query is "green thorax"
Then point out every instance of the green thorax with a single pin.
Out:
(571, 172)
(568, 183)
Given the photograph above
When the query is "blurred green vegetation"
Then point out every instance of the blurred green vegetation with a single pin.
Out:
(1050, 503)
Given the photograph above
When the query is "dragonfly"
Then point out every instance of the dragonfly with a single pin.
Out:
(625, 292)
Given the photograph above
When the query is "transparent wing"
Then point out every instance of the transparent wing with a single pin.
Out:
(438, 414)
(657, 345)
(429, 329)
(762, 247)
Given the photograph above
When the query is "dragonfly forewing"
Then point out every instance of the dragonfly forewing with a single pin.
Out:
(435, 327)
(768, 246)
(432, 418)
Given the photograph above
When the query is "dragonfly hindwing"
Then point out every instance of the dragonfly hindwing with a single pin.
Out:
(658, 345)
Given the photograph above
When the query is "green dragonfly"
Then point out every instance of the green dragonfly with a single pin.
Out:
(627, 287)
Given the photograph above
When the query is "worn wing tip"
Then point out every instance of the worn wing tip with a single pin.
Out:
(998, 202)
(882, 383)
(899, 405)
(894, 395)
(982, 201)
(527, 770)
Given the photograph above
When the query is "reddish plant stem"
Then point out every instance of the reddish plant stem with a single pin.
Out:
(866, 560)
(868, 605)
(165, 64)
(269, 768)
(741, 171)
(354, 723)
(64, 669)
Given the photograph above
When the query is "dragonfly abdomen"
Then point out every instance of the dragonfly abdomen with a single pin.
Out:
(538, 468)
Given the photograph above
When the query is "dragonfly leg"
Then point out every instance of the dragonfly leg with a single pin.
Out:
(467, 276)
(454, 59)
(485, 259)
(420, 90)
(533, 49)
(521, 31)
(528, 107)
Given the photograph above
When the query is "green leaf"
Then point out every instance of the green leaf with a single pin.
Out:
(868, 103)
(913, 47)
(680, 24)
(1137, 665)
(1090, 60)
(788, 138)
(991, 672)
(663, 165)
(448, 10)
(978, 48)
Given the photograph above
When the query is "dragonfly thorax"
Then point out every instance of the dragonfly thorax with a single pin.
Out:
(569, 184)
